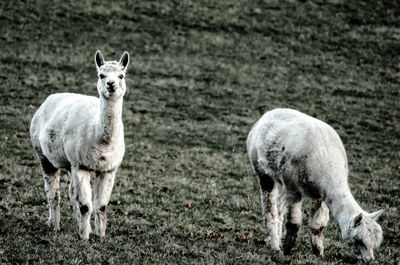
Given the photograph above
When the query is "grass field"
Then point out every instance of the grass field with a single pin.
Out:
(201, 73)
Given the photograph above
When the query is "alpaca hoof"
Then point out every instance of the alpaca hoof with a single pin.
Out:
(100, 231)
(276, 248)
(318, 252)
(287, 248)
(287, 252)
(51, 225)
(84, 235)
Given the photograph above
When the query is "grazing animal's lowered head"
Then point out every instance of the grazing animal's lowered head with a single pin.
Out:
(111, 83)
(294, 156)
(364, 234)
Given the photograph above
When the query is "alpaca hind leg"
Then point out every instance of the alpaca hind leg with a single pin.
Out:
(293, 222)
(319, 219)
(103, 185)
(81, 199)
(51, 176)
(281, 208)
(269, 193)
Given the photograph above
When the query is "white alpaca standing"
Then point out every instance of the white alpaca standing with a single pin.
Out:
(83, 134)
(295, 155)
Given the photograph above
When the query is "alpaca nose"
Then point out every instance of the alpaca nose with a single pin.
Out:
(110, 86)
(110, 83)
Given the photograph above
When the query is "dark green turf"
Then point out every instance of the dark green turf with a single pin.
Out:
(201, 73)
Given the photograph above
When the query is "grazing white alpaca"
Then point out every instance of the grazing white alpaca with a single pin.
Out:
(295, 155)
(83, 134)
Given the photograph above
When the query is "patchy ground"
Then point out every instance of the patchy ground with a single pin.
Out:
(201, 73)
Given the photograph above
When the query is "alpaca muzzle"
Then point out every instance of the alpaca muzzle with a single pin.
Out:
(111, 86)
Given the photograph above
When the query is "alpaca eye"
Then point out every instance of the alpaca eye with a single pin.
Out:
(121, 76)
(102, 76)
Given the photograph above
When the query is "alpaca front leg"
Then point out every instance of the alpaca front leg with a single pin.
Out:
(81, 198)
(51, 186)
(293, 222)
(72, 197)
(319, 219)
(103, 186)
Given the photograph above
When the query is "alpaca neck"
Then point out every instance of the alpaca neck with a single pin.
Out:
(110, 119)
(343, 207)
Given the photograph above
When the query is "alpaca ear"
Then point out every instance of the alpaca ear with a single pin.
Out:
(357, 220)
(375, 215)
(98, 59)
(124, 61)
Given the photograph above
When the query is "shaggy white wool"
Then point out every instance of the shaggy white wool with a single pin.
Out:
(295, 155)
(83, 134)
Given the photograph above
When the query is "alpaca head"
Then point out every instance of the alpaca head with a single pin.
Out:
(364, 234)
(111, 83)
